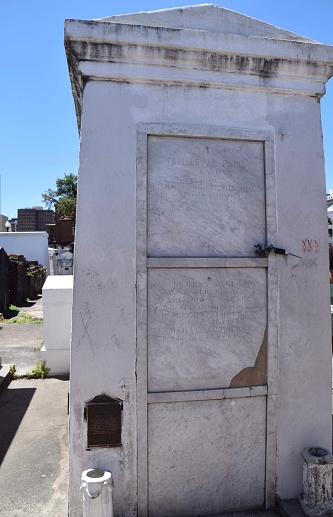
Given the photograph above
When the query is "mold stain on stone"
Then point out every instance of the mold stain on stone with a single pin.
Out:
(266, 67)
(215, 61)
(242, 62)
(171, 54)
(254, 375)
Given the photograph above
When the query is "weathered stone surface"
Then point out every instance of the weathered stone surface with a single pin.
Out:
(26, 279)
(199, 193)
(207, 17)
(17, 279)
(317, 481)
(153, 102)
(181, 435)
(204, 326)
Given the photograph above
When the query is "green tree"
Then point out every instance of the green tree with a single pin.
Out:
(63, 199)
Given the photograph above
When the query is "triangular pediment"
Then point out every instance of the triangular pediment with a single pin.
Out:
(208, 18)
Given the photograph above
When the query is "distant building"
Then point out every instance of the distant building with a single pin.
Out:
(34, 219)
(13, 224)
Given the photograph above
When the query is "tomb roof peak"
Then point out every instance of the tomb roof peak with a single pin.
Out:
(208, 18)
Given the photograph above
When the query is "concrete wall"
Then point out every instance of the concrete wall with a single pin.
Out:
(33, 245)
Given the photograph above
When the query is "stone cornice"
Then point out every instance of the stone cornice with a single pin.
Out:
(136, 53)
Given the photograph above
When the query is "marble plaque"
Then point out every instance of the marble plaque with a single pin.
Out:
(206, 328)
(206, 458)
(206, 197)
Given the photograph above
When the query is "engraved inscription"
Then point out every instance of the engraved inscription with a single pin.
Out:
(103, 424)
(206, 197)
(204, 325)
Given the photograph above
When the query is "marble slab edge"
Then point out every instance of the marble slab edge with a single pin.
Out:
(191, 396)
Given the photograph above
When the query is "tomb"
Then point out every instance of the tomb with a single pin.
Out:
(200, 139)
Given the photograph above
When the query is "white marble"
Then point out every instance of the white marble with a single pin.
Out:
(239, 262)
(186, 396)
(199, 192)
(272, 367)
(204, 326)
(198, 461)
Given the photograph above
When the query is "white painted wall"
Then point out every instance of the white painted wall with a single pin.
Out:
(33, 245)
(104, 309)
(105, 281)
(57, 314)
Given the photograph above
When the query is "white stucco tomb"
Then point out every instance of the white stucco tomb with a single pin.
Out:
(57, 314)
(32, 245)
(200, 137)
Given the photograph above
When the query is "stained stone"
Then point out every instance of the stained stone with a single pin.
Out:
(200, 137)
(204, 326)
(200, 193)
(209, 429)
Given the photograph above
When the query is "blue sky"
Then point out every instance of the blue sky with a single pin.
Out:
(38, 134)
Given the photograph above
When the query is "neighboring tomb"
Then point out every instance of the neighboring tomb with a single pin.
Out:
(33, 245)
(4, 281)
(25, 279)
(200, 138)
(57, 312)
(62, 259)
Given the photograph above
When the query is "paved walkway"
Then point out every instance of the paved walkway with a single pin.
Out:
(33, 428)
(20, 343)
(34, 449)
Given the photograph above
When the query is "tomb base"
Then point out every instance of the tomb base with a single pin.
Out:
(57, 360)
